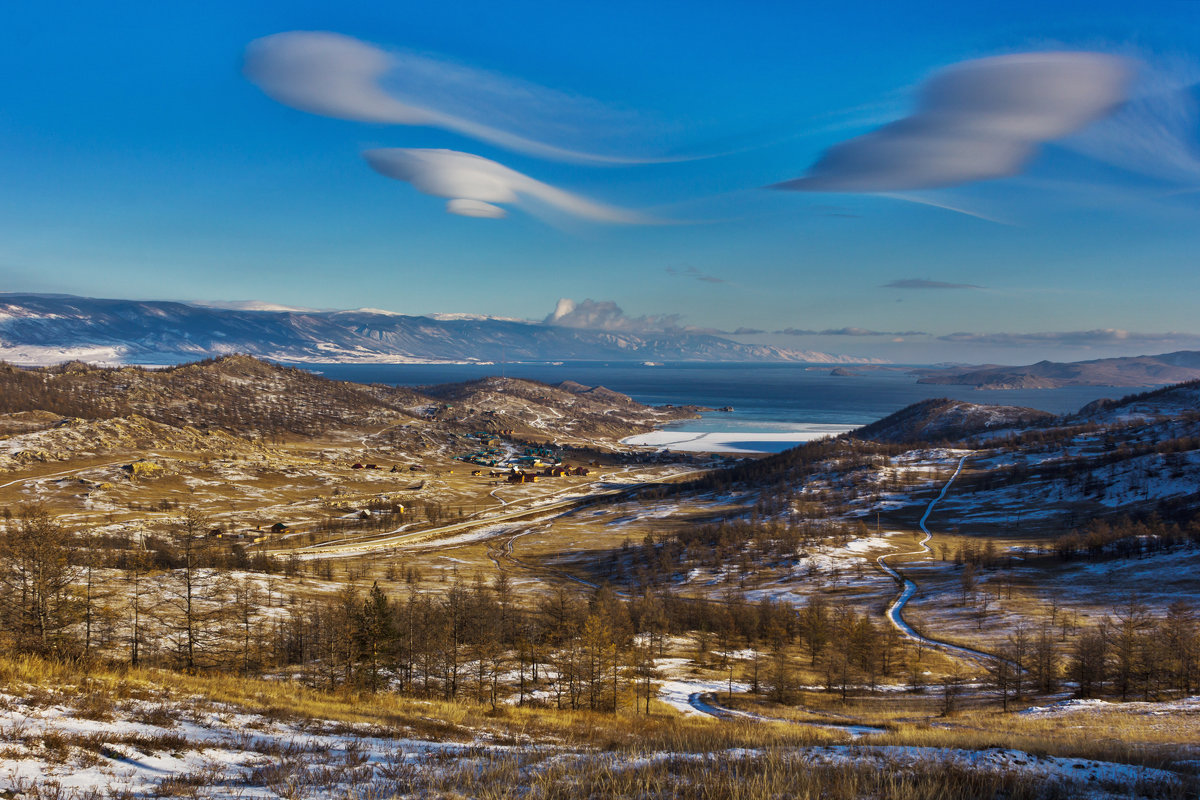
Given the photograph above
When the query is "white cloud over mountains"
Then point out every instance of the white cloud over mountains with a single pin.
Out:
(975, 121)
(607, 315)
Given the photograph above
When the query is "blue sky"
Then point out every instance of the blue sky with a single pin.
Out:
(137, 160)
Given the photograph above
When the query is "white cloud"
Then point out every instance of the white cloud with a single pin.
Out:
(976, 121)
(607, 315)
(475, 185)
(1155, 132)
(339, 76)
(475, 208)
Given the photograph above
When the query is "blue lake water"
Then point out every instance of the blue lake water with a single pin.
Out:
(767, 398)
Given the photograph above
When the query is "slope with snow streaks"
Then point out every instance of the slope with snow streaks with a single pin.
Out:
(942, 419)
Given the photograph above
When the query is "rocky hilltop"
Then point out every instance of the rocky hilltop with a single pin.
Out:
(234, 403)
(942, 419)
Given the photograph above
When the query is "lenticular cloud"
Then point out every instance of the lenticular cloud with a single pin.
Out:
(976, 121)
(339, 76)
(475, 185)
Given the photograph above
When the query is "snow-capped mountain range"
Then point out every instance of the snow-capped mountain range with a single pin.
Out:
(47, 329)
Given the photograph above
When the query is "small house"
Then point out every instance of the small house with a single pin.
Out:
(279, 527)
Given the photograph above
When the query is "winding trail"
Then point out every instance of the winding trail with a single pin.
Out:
(31, 478)
(895, 612)
(403, 537)
(707, 703)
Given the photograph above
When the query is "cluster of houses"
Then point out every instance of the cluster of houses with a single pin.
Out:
(255, 535)
(517, 475)
(395, 467)
(535, 461)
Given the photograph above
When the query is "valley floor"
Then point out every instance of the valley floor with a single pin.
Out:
(847, 620)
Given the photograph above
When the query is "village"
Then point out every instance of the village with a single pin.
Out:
(469, 467)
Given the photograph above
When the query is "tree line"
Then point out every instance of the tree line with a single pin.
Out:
(178, 603)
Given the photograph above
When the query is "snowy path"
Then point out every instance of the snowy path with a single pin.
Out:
(32, 478)
(707, 703)
(895, 612)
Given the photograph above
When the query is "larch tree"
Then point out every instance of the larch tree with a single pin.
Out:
(36, 572)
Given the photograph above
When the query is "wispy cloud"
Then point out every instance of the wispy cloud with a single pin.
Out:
(688, 271)
(474, 185)
(1101, 337)
(339, 76)
(922, 283)
(608, 316)
(849, 331)
(942, 204)
(976, 121)
(1155, 132)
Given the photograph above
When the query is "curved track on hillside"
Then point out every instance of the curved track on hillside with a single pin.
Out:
(401, 537)
(908, 587)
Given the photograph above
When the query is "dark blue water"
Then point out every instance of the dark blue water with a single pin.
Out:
(765, 397)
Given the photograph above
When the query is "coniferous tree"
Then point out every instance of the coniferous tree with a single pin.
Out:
(36, 572)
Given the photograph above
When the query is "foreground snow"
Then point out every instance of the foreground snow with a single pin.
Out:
(1187, 705)
(147, 747)
(197, 748)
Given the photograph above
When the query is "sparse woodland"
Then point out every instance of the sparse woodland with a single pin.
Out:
(180, 602)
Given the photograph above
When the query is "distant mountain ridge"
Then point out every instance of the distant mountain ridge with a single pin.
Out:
(1176, 367)
(47, 329)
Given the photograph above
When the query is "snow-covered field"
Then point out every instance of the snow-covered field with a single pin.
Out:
(1187, 705)
(154, 747)
(733, 441)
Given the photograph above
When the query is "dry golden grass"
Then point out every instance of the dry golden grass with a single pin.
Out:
(402, 716)
(571, 754)
(1111, 733)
